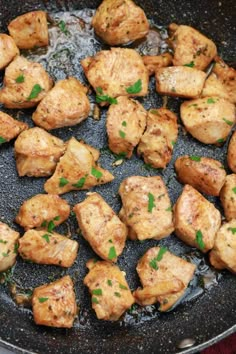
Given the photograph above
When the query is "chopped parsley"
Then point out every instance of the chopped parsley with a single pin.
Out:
(154, 111)
(6, 254)
(62, 27)
(195, 158)
(123, 287)
(16, 246)
(190, 65)
(112, 253)
(2, 140)
(80, 182)
(122, 134)
(2, 241)
(42, 299)
(46, 237)
(151, 203)
(97, 292)
(51, 226)
(63, 182)
(100, 97)
(117, 294)
(153, 263)
(124, 123)
(109, 282)
(97, 174)
(20, 79)
(135, 88)
(232, 229)
(35, 92)
(169, 208)
(199, 239)
(234, 190)
(211, 100)
(95, 300)
(220, 140)
(173, 143)
(229, 122)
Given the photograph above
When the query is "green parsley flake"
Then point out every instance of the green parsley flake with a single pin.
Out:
(232, 229)
(80, 182)
(169, 208)
(44, 223)
(42, 299)
(46, 237)
(109, 282)
(51, 226)
(151, 203)
(6, 254)
(16, 246)
(95, 300)
(195, 158)
(154, 111)
(2, 241)
(2, 140)
(199, 240)
(135, 88)
(97, 292)
(220, 140)
(123, 287)
(234, 190)
(173, 143)
(35, 92)
(63, 182)
(228, 122)
(57, 218)
(117, 294)
(100, 97)
(153, 263)
(20, 79)
(122, 134)
(124, 123)
(190, 65)
(97, 174)
(112, 253)
(211, 100)
(62, 27)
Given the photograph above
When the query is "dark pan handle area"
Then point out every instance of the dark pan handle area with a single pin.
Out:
(206, 320)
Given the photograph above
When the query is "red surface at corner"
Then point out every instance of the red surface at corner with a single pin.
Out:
(226, 346)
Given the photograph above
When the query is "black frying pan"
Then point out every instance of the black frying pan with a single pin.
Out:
(207, 314)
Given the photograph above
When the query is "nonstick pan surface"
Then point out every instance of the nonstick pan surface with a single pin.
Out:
(208, 312)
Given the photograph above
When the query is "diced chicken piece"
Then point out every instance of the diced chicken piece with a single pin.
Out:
(37, 152)
(180, 81)
(8, 246)
(120, 22)
(10, 128)
(101, 227)
(43, 209)
(214, 87)
(208, 119)
(228, 197)
(65, 105)
(44, 247)
(164, 278)
(223, 254)
(111, 295)
(156, 144)
(231, 154)
(77, 169)
(25, 84)
(227, 76)
(154, 62)
(8, 50)
(116, 72)
(203, 173)
(146, 207)
(54, 304)
(191, 47)
(196, 220)
(125, 124)
(30, 30)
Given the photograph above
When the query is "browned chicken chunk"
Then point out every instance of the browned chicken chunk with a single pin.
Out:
(203, 173)
(8, 50)
(208, 119)
(164, 278)
(146, 207)
(44, 247)
(116, 72)
(8, 246)
(156, 144)
(43, 209)
(54, 304)
(231, 154)
(10, 128)
(180, 81)
(196, 220)
(101, 227)
(227, 76)
(154, 62)
(191, 47)
(223, 254)
(25, 84)
(111, 295)
(37, 152)
(228, 197)
(30, 30)
(65, 105)
(125, 125)
(77, 169)
(120, 21)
